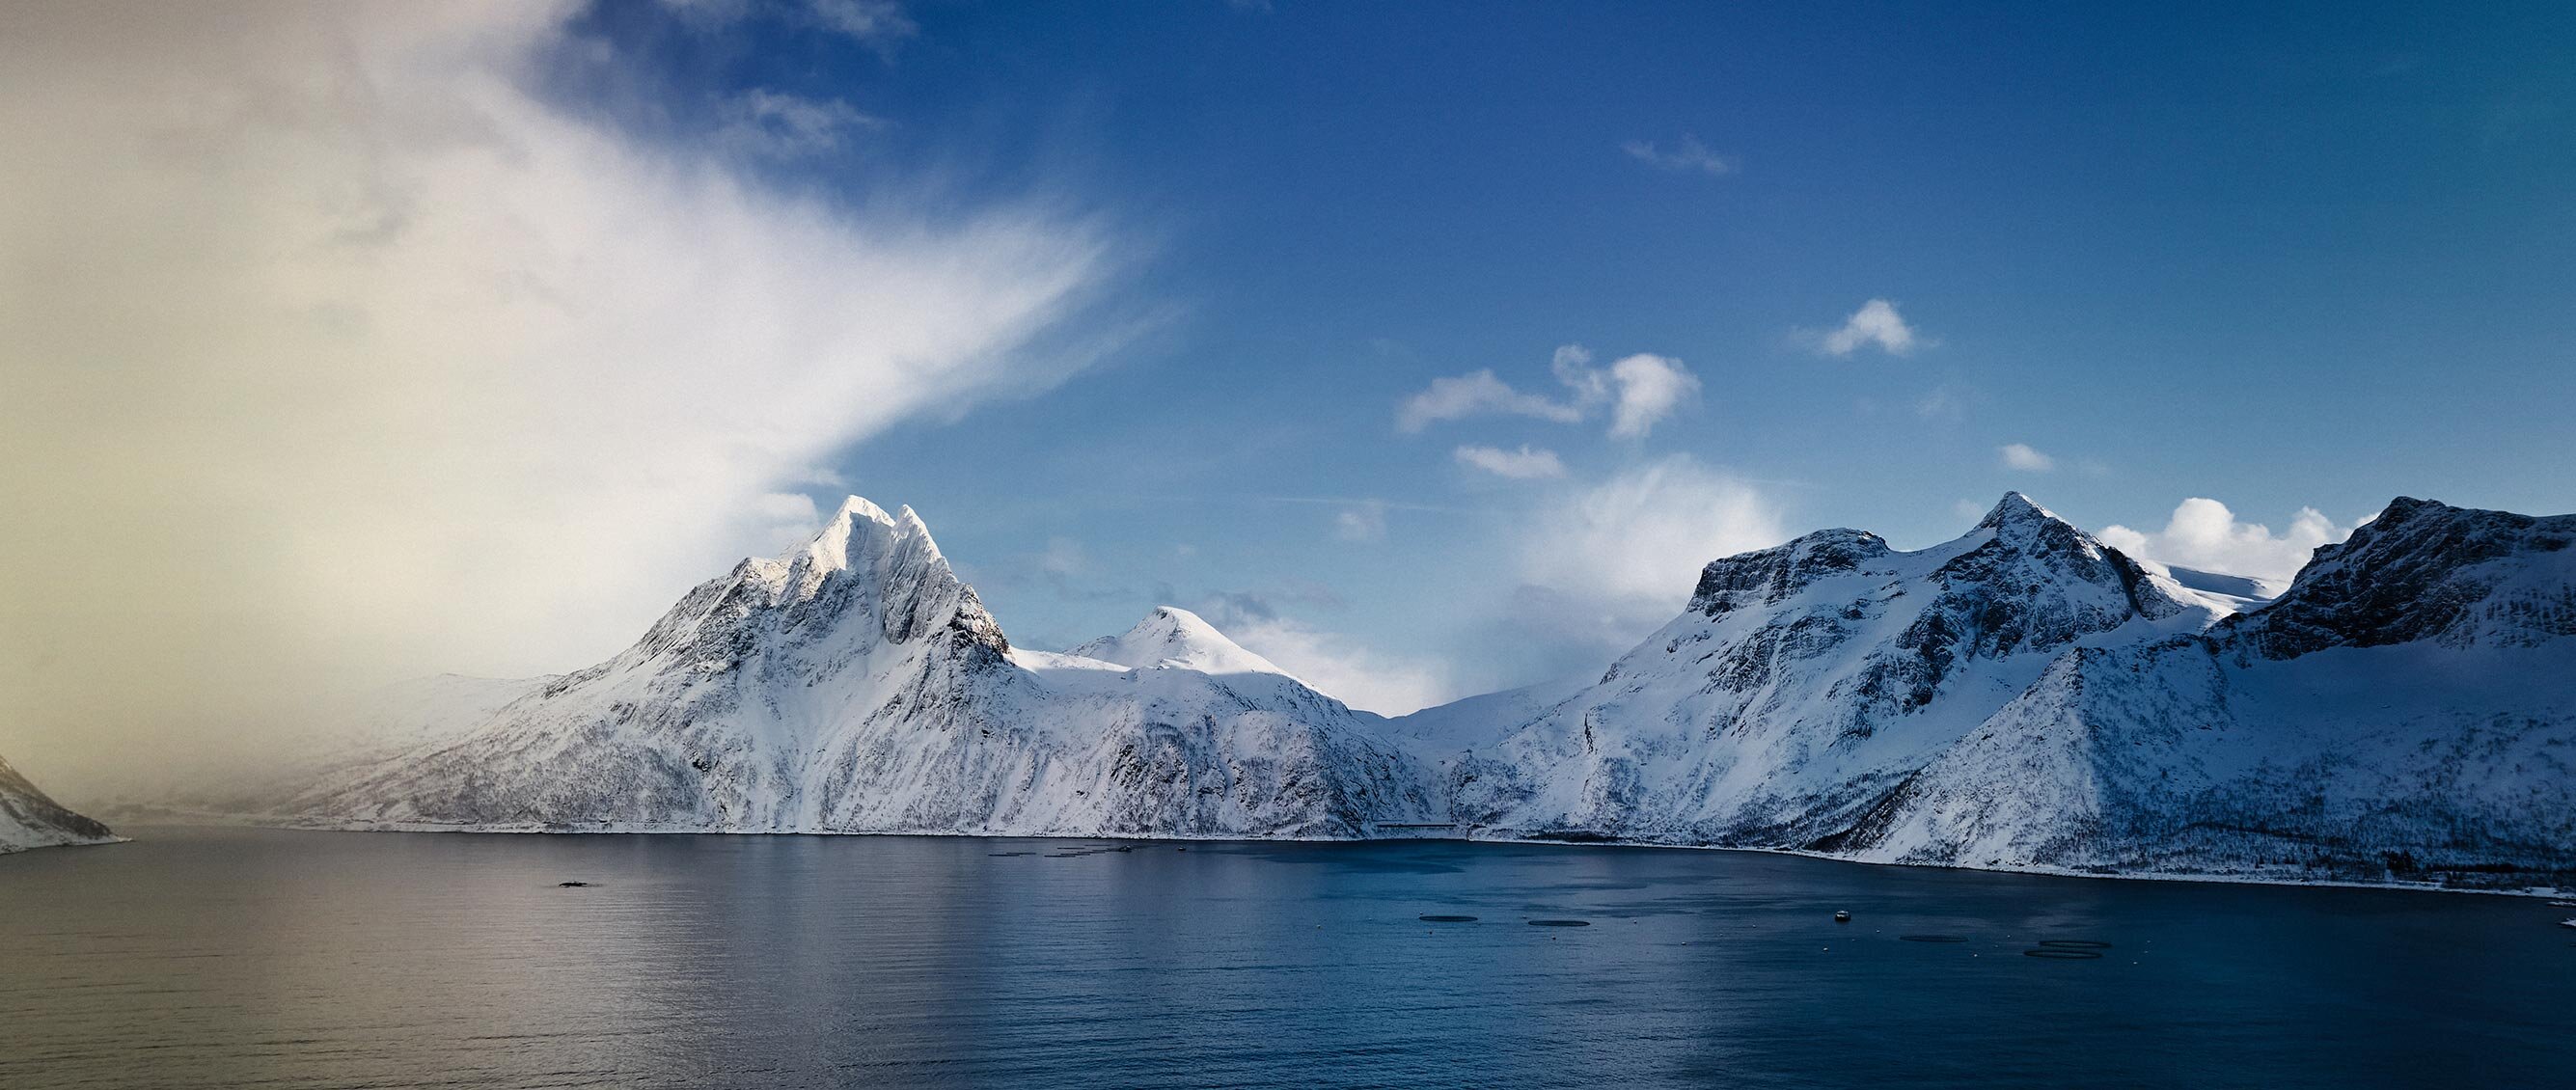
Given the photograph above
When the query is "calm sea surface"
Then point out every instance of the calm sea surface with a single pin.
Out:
(207, 958)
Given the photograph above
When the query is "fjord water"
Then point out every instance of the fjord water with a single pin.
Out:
(231, 957)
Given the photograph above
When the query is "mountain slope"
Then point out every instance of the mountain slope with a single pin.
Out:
(1806, 681)
(857, 685)
(2406, 709)
(30, 819)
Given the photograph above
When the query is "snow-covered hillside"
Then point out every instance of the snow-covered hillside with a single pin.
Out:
(2407, 709)
(29, 819)
(856, 684)
(1806, 681)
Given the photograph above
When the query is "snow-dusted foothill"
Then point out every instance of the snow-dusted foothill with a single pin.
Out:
(31, 819)
(856, 685)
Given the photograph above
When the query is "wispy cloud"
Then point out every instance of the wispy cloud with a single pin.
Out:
(1365, 521)
(2024, 457)
(1479, 393)
(1875, 324)
(1641, 536)
(1686, 155)
(1524, 464)
(873, 22)
(776, 125)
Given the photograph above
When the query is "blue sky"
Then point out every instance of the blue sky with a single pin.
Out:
(2283, 258)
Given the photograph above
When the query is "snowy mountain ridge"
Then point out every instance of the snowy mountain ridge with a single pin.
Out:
(2021, 697)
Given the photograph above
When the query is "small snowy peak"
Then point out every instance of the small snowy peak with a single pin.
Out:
(2016, 510)
(1174, 638)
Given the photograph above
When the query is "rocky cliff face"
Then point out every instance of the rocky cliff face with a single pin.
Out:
(857, 685)
(30, 819)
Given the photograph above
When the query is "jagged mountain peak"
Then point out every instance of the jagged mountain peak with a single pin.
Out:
(2016, 509)
(1172, 637)
(857, 531)
(2427, 570)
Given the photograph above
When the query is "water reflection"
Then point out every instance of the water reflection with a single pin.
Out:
(240, 958)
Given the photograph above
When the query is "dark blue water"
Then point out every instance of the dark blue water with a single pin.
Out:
(210, 958)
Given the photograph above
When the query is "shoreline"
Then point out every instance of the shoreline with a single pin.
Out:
(213, 820)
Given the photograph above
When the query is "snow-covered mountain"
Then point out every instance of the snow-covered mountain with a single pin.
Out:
(2021, 697)
(856, 684)
(2406, 709)
(1805, 682)
(30, 819)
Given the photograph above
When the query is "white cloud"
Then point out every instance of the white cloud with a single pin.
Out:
(1641, 537)
(1524, 464)
(774, 125)
(1687, 155)
(1650, 388)
(1875, 323)
(346, 356)
(2023, 457)
(1640, 390)
(1478, 393)
(2204, 534)
(1361, 522)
